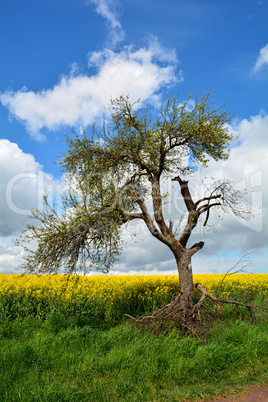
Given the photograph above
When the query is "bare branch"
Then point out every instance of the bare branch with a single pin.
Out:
(157, 205)
(205, 294)
(204, 208)
(212, 197)
(196, 247)
(146, 216)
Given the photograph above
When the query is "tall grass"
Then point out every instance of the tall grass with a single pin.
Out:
(53, 360)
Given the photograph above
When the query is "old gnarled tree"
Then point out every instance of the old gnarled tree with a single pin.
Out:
(116, 172)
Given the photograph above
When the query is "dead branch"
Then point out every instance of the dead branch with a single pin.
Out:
(167, 313)
(205, 294)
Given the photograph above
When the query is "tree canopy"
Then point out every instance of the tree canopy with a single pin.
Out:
(114, 171)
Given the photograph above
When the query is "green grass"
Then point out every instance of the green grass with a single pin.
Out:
(65, 359)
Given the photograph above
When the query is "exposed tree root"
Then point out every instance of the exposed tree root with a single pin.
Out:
(194, 321)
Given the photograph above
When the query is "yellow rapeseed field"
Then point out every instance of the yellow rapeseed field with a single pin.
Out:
(130, 293)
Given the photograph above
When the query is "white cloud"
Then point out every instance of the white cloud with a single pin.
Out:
(107, 9)
(10, 257)
(23, 184)
(262, 60)
(79, 100)
(17, 188)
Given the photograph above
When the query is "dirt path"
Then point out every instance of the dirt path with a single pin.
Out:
(254, 394)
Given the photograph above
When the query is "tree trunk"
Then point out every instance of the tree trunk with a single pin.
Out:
(183, 260)
(181, 311)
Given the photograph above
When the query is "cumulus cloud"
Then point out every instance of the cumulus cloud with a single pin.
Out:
(262, 60)
(79, 100)
(10, 257)
(23, 184)
(18, 186)
(107, 9)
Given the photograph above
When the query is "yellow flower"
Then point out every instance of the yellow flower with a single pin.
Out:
(117, 292)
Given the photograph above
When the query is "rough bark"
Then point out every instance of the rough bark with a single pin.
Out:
(185, 300)
(183, 261)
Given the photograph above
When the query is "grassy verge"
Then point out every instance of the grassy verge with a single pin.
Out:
(59, 359)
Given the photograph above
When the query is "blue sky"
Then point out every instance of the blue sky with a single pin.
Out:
(61, 62)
